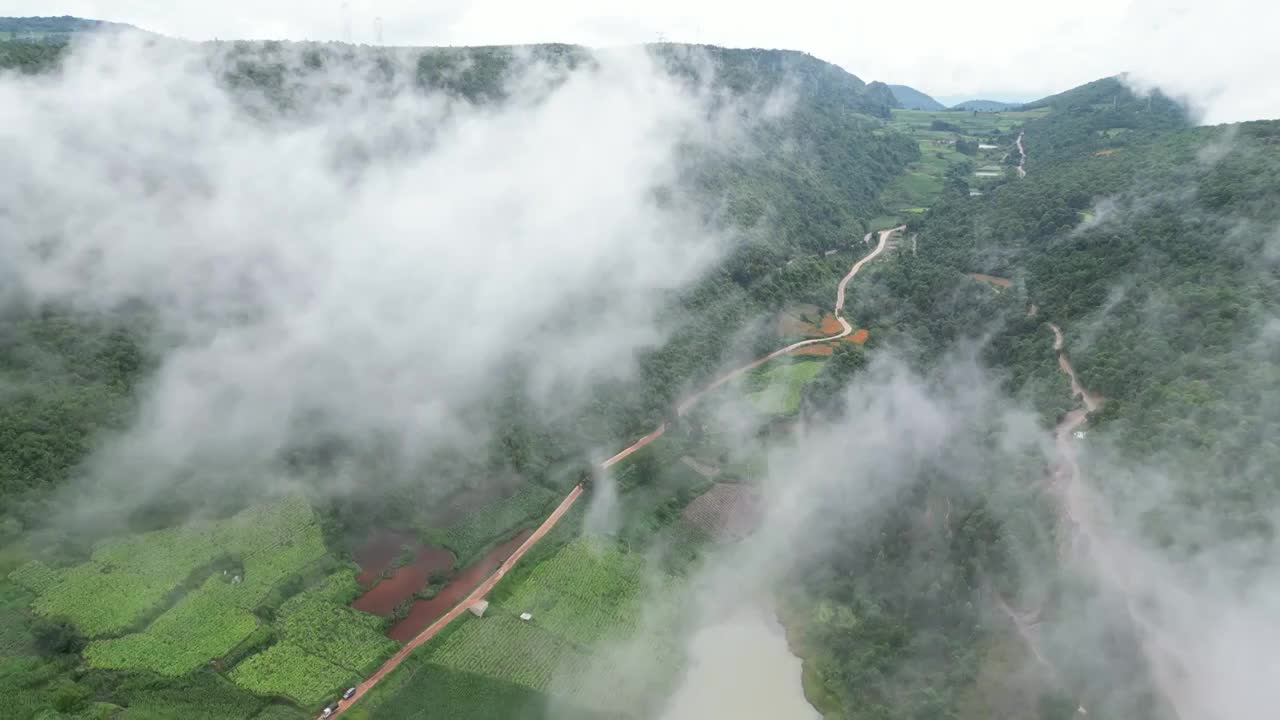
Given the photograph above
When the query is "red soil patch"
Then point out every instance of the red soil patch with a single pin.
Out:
(858, 336)
(830, 325)
(817, 349)
(425, 612)
(1002, 282)
(377, 553)
(728, 511)
(376, 556)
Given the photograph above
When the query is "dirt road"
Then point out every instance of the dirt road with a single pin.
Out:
(846, 328)
(546, 526)
(1022, 153)
(1114, 561)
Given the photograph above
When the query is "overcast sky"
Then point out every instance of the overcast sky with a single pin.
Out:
(1219, 52)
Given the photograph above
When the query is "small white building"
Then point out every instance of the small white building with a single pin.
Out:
(1080, 434)
(526, 616)
(479, 608)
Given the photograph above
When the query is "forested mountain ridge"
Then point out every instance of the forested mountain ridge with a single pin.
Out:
(55, 29)
(913, 99)
(815, 180)
(796, 207)
(1151, 242)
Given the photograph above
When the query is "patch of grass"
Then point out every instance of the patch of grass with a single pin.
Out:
(473, 535)
(780, 386)
(884, 222)
(288, 670)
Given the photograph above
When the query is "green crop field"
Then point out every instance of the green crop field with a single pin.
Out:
(463, 696)
(584, 592)
(205, 624)
(777, 388)
(199, 696)
(503, 647)
(348, 638)
(123, 580)
(288, 670)
(495, 521)
(925, 179)
(126, 579)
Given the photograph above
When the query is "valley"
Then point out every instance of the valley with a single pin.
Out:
(546, 381)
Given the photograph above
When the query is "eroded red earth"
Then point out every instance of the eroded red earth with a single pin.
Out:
(425, 612)
(382, 548)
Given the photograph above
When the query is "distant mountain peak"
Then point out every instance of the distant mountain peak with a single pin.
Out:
(913, 99)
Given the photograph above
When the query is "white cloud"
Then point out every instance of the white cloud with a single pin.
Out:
(1219, 53)
(303, 292)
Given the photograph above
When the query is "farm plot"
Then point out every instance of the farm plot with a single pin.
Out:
(274, 542)
(469, 538)
(460, 695)
(126, 579)
(586, 591)
(317, 622)
(622, 678)
(205, 624)
(288, 670)
(778, 387)
(504, 647)
(123, 580)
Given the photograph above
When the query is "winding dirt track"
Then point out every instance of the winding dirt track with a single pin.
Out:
(1112, 559)
(1022, 153)
(568, 501)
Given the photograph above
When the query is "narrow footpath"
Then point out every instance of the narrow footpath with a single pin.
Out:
(1022, 157)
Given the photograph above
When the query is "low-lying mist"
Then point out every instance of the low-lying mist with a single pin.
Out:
(346, 260)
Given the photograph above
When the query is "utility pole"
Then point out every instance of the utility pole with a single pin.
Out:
(377, 29)
(346, 22)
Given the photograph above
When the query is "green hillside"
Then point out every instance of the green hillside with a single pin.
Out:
(280, 641)
(985, 105)
(1150, 240)
(913, 99)
(54, 29)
